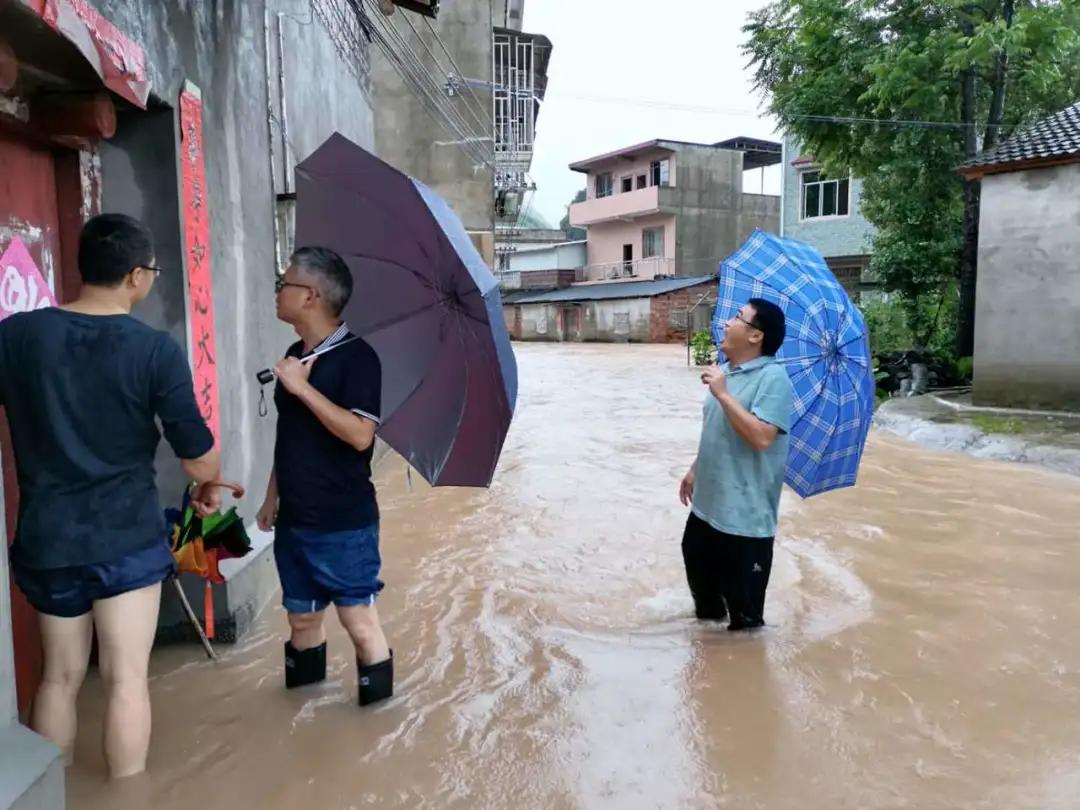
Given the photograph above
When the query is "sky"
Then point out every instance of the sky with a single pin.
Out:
(616, 63)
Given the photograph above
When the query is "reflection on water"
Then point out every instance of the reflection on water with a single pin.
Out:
(922, 651)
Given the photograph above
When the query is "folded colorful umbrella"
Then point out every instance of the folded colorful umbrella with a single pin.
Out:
(199, 544)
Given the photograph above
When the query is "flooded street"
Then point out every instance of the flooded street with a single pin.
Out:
(923, 648)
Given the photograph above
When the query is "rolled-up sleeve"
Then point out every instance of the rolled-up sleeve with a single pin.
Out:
(773, 400)
(173, 397)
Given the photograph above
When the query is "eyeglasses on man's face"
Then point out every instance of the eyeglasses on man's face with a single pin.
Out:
(738, 317)
(280, 284)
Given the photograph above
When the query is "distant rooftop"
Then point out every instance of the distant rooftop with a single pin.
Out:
(756, 152)
(1051, 141)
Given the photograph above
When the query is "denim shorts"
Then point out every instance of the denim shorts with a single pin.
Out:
(318, 568)
(70, 592)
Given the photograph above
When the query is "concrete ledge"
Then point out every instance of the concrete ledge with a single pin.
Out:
(249, 585)
(929, 422)
(31, 771)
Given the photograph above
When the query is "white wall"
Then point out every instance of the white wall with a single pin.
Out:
(566, 256)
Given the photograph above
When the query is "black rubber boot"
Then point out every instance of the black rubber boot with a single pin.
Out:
(304, 666)
(376, 681)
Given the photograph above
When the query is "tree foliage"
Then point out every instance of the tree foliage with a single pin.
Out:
(573, 234)
(900, 93)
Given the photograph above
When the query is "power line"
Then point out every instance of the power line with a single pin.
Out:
(891, 122)
(739, 113)
(419, 81)
(485, 110)
(414, 76)
(480, 120)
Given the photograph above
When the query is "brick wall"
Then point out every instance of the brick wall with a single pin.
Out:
(662, 329)
(848, 278)
(851, 272)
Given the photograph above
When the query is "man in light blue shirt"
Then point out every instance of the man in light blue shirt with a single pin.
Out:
(734, 483)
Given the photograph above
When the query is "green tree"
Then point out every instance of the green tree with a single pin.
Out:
(900, 93)
(573, 234)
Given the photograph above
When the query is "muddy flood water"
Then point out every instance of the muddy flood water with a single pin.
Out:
(923, 648)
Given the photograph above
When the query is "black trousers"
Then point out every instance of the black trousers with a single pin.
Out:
(727, 574)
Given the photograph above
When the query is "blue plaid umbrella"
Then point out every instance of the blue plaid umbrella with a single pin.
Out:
(827, 355)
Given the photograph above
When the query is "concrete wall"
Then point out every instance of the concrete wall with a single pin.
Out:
(530, 236)
(851, 235)
(568, 256)
(1027, 314)
(31, 768)
(327, 81)
(535, 322)
(713, 214)
(406, 132)
(617, 321)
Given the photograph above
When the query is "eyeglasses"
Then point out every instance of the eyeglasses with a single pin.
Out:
(155, 270)
(280, 284)
(740, 318)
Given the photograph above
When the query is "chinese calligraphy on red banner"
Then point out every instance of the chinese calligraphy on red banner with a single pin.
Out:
(197, 247)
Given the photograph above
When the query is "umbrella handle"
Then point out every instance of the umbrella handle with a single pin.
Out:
(266, 376)
(236, 489)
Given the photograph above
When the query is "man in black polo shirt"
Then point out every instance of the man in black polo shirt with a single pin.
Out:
(320, 496)
(83, 386)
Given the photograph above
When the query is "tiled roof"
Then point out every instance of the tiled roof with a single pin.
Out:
(1055, 137)
(612, 290)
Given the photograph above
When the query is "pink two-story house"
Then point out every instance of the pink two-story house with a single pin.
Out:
(671, 209)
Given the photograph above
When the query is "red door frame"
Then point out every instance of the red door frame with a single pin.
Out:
(41, 195)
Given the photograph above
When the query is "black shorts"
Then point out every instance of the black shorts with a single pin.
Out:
(727, 574)
(72, 591)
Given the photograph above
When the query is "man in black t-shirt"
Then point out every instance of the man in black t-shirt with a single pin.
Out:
(83, 387)
(320, 496)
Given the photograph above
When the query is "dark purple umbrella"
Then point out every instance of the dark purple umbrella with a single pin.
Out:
(426, 302)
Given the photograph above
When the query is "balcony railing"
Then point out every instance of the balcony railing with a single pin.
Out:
(639, 270)
(509, 279)
(623, 205)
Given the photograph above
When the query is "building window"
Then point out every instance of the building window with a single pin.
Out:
(824, 197)
(652, 243)
(627, 184)
(642, 181)
(603, 185)
(660, 171)
(679, 318)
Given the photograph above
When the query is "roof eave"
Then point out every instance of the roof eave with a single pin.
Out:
(977, 172)
(628, 153)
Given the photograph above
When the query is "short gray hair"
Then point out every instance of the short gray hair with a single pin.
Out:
(331, 275)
